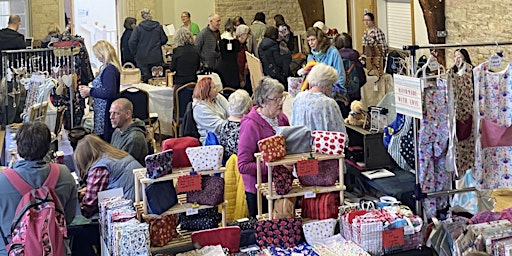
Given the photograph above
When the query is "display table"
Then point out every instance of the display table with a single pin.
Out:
(161, 101)
(375, 154)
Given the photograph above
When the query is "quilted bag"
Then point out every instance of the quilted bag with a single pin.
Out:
(161, 196)
(130, 238)
(178, 146)
(205, 219)
(162, 228)
(323, 206)
(319, 230)
(297, 138)
(205, 158)
(282, 179)
(329, 143)
(227, 237)
(283, 233)
(272, 148)
(159, 164)
(130, 74)
(212, 192)
(328, 174)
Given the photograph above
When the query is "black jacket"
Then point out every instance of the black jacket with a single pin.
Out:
(126, 54)
(146, 42)
(185, 61)
(11, 40)
(271, 60)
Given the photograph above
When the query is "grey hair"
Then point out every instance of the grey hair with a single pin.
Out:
(242, 29)
(267, 87)
(146, 14)
(322, 76)
(183, 37)
(239, 103)
(210, 18)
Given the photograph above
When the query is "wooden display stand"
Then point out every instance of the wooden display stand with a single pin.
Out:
(141, 182)
(297, 189)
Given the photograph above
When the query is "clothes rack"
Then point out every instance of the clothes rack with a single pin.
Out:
(419, 195)
(57, 62)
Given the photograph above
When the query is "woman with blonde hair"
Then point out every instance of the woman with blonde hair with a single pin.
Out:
(209, 108)
(105, 88)
(53, 35)
(104, 167)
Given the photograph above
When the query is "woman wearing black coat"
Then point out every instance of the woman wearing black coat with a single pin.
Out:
(272, 61)
(126, 54)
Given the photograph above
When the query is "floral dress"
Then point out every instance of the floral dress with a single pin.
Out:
(493, 144)
(228, 137)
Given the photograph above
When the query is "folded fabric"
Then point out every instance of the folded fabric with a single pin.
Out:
(205, 158)
(272, 148)
(227, 237)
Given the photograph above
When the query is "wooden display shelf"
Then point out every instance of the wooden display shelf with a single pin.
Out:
(298, 190)
(291, 159)
(140, 174)
(180, 207)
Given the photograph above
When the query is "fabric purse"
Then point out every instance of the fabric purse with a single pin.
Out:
(282, 179)
(244, 224)
(272, 148)
(205, 158)
(178, 146)
(212, 192)
(318, 230)
(227, 237)
(161, 196)
(130, 74)
(297, 138)
(284, 208)
(284, 233)
(159, 164)
(330, 143)
(323, 206)
(205, 219)
(328, 174)
(162, 228)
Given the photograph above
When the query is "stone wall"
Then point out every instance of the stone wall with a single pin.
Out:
(43, 12)
(473, 21)
(135, 6)
(290, 9)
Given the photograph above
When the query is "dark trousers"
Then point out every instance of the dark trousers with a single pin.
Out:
(252, 204)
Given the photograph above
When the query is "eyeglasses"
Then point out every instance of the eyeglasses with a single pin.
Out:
(281, 99)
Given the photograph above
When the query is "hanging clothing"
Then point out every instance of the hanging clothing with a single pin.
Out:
(493, 111)
(433, 143)
(462, 85)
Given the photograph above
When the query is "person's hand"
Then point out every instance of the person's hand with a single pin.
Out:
(84, 91)
(81, 194)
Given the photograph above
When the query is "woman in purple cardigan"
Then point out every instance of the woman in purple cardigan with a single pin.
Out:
(259, 124)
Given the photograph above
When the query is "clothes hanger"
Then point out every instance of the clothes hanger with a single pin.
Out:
(431, 62)
(496, 60)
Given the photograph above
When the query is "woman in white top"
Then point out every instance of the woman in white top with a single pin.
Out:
(209, 108)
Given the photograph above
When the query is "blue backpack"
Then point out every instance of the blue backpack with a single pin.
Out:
(352, 83)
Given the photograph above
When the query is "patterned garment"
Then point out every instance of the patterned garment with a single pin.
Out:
(433, 143)
(401, 145)
(463, 102)
(99, 106)
(97, 180)
(375, 35)
(493, 164)
(229, 133)
(317, 112)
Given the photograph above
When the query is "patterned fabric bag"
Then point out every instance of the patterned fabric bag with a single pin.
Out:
(227, 237)
(244, 224)
(323, 206)
(205, 158)
(272, 148)
(282, 179)
(159, 164)
(318, 230)
(206, 219)
(330, 143)
(328, 173)
(212, 192)
(162, 228)
(284, 208)
(161, 196)
(283, 233)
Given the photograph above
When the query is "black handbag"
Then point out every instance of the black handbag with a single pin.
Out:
(161, 196)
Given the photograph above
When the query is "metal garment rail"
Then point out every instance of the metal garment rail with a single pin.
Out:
(418, 194)
(56, 61)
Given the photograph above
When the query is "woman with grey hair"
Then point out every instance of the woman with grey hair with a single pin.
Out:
(259, 124)
(185, 58)
(314, 108)
(239, 104)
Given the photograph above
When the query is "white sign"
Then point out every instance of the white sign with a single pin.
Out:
(192, 211)
(310, 194)
(408, 96)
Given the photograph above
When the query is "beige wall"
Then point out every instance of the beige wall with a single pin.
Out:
(44, 12)
(336, 14)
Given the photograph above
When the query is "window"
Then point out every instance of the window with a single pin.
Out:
(8, 7)
(399, 23)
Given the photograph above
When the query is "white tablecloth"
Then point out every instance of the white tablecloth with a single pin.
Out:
(160, 101)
